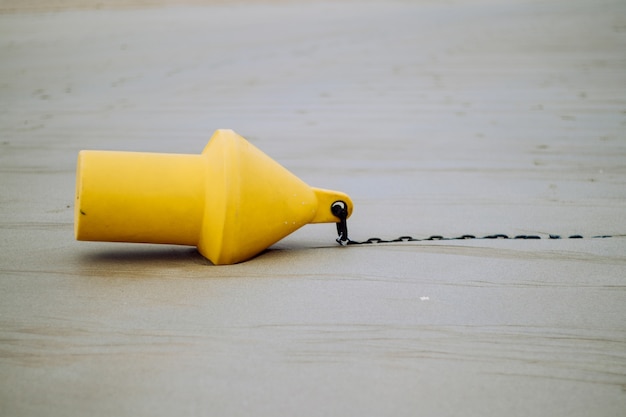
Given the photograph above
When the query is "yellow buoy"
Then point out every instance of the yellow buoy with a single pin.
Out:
(232, 201)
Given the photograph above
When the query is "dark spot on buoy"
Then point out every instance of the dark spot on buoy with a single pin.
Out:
(83, 213)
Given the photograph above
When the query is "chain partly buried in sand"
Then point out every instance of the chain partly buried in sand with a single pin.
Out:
(340, 210)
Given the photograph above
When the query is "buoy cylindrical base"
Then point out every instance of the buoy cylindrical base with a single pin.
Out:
(139, 197)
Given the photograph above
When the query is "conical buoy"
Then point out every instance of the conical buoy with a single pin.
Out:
(232, 201)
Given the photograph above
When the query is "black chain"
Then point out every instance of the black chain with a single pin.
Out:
(340, 210)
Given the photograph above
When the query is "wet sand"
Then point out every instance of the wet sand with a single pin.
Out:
(475, 117)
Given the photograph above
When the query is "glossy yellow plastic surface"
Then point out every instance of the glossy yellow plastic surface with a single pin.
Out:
(232, 201)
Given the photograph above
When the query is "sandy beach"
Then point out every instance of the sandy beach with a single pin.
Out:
(438, 118)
